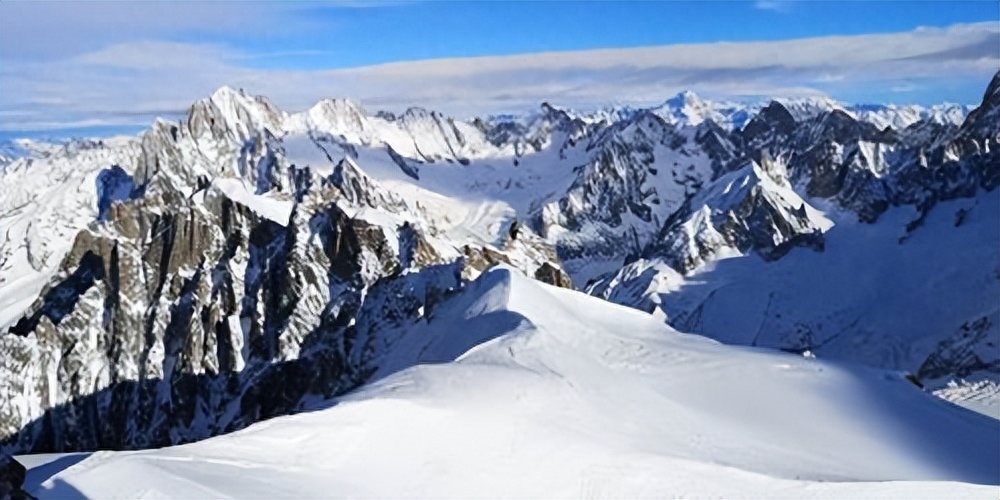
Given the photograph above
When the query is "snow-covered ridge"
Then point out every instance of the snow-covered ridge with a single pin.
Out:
(542, 392)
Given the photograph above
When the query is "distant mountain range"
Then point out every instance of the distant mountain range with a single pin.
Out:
(245, 262)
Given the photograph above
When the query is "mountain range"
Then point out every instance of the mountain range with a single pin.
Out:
(245, 263)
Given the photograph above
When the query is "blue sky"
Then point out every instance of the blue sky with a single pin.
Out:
(424, 30)
(113, 66)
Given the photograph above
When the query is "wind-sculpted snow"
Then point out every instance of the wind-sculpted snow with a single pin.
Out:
(535, 391)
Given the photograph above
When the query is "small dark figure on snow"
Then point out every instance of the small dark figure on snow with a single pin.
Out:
(514, 229)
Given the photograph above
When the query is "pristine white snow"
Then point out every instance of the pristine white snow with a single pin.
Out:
(895, 295)
(268, 207)
(556, 394)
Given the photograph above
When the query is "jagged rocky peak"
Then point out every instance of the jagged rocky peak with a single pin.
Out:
(645, 121)
(219, 284)
(234, 115)
(162, 154)
(770, 124)
(359, 189)
(558, 119)
(984, 121)
(687, 109)
(417, 113)
(549, 126)
(750, 209)
(177, 320)
(839, 126)
(724, 147)
(554, 113)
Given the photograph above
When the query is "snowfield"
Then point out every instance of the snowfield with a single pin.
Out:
(514, 388)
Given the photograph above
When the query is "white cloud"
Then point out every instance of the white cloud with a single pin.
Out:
(73, 28)
(130, 83)
(156, 56)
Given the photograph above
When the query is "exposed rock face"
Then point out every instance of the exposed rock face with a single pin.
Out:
(553, 275)
(639, 171)
(171, 327)
(972, 349)
(12, 475)
(219, 285)
(742, 211)
(643, 172)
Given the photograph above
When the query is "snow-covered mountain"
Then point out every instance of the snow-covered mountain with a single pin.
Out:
(246, 262)
(212, 255)
(527, 390)
(900, 270)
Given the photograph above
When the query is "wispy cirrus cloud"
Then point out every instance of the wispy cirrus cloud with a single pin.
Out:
(129, 83)
(773, 5)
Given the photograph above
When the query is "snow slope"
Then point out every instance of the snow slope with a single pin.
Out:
(875, 295)
(555, 394)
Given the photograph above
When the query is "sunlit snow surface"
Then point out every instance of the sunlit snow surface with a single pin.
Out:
(557, 394)
(896, 295)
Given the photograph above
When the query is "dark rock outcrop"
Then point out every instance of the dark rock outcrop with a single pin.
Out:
(548, 273)
(12, 475)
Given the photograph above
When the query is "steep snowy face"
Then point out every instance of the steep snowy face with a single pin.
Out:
(528, 390)
(638, 173)
(233, 115)
(753, 208)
